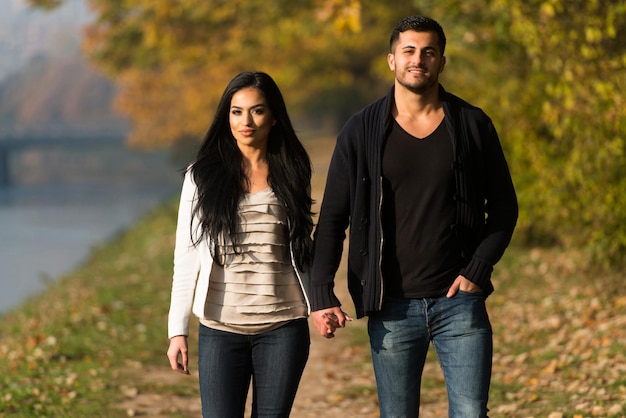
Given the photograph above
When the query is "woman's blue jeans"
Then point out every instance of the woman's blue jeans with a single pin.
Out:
(461, 333)
(274, 360)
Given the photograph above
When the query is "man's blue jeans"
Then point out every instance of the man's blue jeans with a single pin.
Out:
(461, 333)
(274, 360)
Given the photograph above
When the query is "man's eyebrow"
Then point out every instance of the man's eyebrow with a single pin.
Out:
(426, 48)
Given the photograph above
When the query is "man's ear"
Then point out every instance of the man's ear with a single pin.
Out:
(391, 62)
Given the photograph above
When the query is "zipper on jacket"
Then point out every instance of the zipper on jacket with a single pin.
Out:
(380, 247)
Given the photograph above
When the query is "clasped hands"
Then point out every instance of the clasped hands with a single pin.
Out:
(326, 321)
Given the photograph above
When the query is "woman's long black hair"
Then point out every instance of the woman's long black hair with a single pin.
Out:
(220, 178)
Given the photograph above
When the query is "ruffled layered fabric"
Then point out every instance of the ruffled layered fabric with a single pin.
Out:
(257, 289)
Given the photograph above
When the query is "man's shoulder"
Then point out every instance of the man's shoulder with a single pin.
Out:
(457, 103)
(367, 125)
(375, 108)
(455, 100)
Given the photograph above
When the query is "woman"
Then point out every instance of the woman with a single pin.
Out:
(243, 241)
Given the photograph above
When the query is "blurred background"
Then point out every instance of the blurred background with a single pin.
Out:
(103, 101)
(68, 181)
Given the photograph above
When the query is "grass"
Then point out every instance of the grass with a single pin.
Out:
(64, 352)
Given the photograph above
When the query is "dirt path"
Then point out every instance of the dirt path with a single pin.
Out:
(338, 382)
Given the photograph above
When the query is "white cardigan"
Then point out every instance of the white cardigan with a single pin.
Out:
(193, 264)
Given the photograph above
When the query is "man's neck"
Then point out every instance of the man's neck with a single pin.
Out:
(418, 114)
(410, 103)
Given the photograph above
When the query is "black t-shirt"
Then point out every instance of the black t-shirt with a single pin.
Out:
(421, 258)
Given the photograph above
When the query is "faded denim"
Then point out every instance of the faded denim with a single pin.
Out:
(461, 334)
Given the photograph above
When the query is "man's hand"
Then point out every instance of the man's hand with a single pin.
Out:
(326, 321)
(461, 283)
(178, 345)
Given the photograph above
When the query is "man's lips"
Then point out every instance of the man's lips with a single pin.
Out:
(415, 70)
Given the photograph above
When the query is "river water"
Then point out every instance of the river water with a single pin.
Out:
(49, 223)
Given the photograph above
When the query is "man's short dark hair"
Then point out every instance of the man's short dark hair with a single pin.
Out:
(418, 24)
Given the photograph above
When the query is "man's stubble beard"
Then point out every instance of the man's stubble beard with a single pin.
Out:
(419, 87)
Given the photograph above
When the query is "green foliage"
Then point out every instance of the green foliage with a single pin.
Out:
(551, 73)
(574, 118)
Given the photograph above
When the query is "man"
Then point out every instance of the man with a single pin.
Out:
(420, 178)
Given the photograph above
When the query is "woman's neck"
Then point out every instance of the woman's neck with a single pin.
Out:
(257, 172)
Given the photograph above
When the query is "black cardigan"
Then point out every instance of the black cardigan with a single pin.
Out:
(486, 202)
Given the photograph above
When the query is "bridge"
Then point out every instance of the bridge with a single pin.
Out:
(11, 146)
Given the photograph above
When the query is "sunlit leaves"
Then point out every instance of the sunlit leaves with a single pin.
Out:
(551, 74)
(578, 82)
(173, 59)
(345, 14)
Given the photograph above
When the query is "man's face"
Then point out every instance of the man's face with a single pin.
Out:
(416, 60)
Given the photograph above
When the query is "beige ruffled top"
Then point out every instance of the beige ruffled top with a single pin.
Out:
(257, 289)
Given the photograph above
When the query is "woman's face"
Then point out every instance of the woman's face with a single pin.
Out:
(250, 118)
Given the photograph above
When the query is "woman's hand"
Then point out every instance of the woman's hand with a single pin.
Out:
(326, 321)
(178, 345)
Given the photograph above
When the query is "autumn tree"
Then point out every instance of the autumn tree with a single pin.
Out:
(551, 73)
(571, 121)
(172, 59)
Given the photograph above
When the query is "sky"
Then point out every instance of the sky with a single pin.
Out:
(25, 32)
